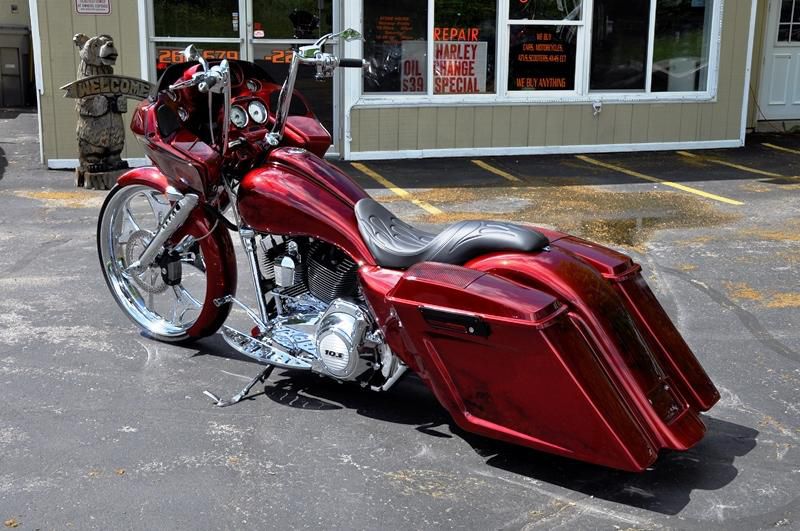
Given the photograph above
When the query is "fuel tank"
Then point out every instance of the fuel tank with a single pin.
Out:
(297, 193)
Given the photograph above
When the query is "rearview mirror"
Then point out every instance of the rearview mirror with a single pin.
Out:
(191, 53)
(349, 34)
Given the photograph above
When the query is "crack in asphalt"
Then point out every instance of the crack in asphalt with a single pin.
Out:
(28, 257)
(3, 163)
(750, 321)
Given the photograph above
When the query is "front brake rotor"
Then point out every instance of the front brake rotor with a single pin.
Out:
(148, 278)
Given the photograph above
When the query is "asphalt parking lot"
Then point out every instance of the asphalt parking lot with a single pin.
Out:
(101, 428)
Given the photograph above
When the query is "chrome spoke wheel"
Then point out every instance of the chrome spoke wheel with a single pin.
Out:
(164, 307)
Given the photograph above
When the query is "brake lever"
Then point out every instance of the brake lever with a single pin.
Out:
(188, 82)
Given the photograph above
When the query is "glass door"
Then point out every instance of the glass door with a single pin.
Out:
(274, 28)
(214, 26)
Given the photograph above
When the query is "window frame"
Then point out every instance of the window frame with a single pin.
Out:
(790, 43)
(581, 93)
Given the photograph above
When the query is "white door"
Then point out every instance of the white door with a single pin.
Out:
(779, 92)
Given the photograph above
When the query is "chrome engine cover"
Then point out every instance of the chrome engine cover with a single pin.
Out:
(340, 333)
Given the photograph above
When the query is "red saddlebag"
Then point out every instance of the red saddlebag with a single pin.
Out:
(522, 364)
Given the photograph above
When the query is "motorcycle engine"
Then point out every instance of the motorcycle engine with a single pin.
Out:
(316, 267)
(317, 283)
(340, 333)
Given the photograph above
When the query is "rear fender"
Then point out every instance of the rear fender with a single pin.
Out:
(217, 248)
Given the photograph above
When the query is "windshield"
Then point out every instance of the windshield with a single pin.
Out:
(240, 70)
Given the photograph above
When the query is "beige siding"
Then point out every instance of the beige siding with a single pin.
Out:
(623, 123)
(58, 23)
(465, 126)
(537, 122)
(482, 128)
(407, 123)
(575, 124)
(21, 18)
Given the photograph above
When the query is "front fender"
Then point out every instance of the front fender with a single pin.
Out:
(217, 249)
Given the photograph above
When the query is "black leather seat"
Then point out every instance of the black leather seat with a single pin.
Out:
(398, 245)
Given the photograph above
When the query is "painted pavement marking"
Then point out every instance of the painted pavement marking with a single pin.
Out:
(730, 164)
(386, 183)
(781, 148)
(497, 171)
(671, 184)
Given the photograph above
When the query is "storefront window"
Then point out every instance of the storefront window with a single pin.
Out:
(464, 47)
(544, 9)
(619, 45)
(542, 58)
(396, 46)
(680, 47)
(196, 18)
(543, 55)
(291, 19)
(573, 46)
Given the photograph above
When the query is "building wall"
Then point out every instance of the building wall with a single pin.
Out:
(21, 18)
(58, 23)
(471, 127)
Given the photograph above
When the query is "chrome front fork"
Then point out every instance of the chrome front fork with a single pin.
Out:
(248, 238)
(176, 217)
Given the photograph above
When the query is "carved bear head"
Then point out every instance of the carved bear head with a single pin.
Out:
(97, 50)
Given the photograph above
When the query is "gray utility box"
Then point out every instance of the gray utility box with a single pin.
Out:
(16, 68)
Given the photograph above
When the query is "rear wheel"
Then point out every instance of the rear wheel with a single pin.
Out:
(167, 298)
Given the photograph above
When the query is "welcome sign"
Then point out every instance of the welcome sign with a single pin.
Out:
(108, 86)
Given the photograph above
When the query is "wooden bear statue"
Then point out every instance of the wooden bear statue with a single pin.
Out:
(101, 132)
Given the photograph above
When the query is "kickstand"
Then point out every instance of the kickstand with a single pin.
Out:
(262, 377)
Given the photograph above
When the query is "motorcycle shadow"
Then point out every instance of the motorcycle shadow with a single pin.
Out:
(664, 488)
(409, 402)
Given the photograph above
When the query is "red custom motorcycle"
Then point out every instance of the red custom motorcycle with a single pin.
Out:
(525, 335)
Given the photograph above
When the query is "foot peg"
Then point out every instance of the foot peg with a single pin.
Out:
(262, 377)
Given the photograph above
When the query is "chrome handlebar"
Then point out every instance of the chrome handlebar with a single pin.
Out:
(325, 63)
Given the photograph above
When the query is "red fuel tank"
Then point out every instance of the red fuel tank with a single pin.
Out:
(297, 193)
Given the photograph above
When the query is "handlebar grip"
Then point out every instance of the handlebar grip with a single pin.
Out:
(351, 63)
(207, 83)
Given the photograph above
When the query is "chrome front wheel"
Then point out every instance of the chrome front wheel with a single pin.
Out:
(166, 298)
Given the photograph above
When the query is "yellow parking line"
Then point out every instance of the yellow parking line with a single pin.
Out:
(671, 184)
(427, 207)
(497, 171)
(781, 148)
(730, 164)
